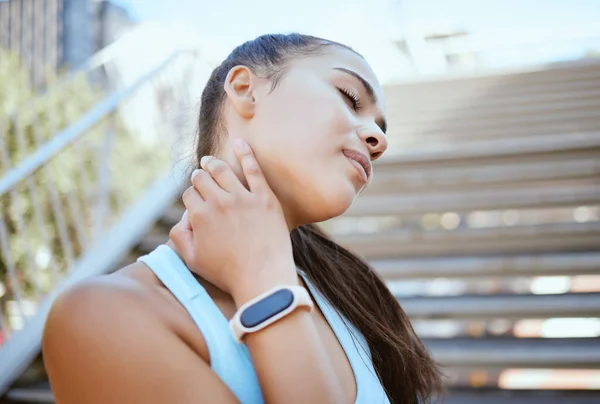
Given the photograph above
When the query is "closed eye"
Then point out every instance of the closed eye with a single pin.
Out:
(352, 97)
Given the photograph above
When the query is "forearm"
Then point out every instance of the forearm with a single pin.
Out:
(291, 361)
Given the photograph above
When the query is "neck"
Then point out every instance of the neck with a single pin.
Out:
(226, 154)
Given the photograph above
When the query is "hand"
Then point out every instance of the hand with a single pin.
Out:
(235, 238)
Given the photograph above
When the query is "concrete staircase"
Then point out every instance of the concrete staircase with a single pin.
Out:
(485, 220)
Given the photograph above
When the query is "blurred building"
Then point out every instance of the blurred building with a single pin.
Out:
(53, 34)
(111, 21)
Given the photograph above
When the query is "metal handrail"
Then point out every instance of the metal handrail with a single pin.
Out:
(118, 219)
(101, 58)
(22, 348)
(74, 131)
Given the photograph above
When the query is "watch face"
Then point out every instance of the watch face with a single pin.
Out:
(267, 308)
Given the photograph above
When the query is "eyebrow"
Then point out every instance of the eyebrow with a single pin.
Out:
(381, 122)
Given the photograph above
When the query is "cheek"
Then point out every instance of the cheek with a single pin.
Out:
(301, 115)
(300, 125)
(299, 142)
(298, 135)
(316, 187)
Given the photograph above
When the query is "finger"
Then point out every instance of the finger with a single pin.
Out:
(252, 171)
(192, 200)
(185, 221)
(206, 185)
(222, 174)
(182, 237)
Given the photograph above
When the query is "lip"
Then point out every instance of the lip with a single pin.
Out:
(361, 163)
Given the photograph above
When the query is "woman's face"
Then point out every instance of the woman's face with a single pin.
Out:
(311, 133)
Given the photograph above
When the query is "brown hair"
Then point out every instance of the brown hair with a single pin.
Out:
(403, 365)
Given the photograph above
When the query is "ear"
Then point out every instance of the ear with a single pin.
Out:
(239, 87)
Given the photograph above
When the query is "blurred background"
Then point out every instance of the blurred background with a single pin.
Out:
(483, 217)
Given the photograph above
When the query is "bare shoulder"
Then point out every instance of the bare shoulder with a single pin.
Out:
(101, 304)
(107, 294)
(109, 329)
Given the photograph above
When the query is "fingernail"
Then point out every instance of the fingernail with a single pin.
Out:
(196, 171)
(242, 145)
(204, 160)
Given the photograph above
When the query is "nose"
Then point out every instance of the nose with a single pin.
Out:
(375, 140)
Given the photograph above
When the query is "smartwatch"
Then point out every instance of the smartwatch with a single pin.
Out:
(267, 308)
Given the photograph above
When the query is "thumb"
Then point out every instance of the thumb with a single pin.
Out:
(182, 238)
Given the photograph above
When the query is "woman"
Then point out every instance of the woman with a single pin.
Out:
(247, 251)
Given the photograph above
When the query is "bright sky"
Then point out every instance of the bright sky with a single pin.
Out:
(242, 18)
(366, 25)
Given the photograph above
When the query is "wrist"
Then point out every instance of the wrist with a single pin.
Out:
(268, 308)
(248, 289)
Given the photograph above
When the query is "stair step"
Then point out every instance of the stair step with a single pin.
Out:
(399, 96)
(456, 122)
(576, 353)
(493, 86)
(405, 140)
(486, 150)
(488, 174)
(500, 197)
(506, 266)
(482, 106)
(442, 134)
(505, 306)
(497, 396)
(546, 238)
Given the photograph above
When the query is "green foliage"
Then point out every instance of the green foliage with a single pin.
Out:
(14, 83)
(71, 178)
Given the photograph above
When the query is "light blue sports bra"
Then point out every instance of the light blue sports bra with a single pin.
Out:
(230, 360)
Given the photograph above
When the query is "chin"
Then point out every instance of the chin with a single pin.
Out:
(330, 205)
